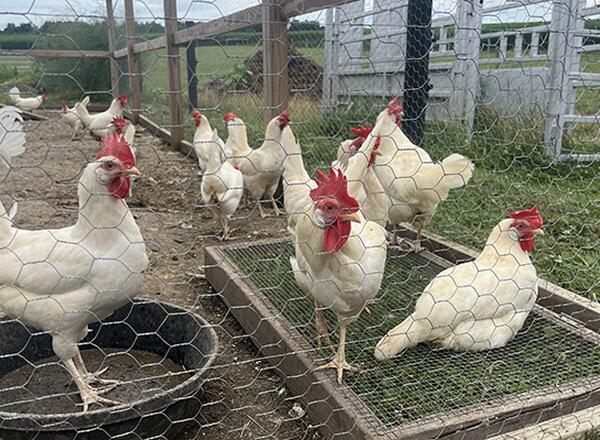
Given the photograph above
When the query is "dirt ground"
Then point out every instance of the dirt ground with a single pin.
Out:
(243, 399)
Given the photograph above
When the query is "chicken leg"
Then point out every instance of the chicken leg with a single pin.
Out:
(260, 210)
(339, 360)
(88, 394)
(322, 329)
(276, 210)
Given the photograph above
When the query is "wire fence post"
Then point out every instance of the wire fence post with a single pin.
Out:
(416, 79)
(174, 72)
(275, 58)
(192, 64)
(133, 63)
(112, 43)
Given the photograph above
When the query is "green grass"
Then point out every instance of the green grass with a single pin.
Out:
(422, 381)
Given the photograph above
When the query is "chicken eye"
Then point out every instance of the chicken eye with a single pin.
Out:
(110, 165)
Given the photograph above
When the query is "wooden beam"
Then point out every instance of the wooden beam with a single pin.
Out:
(112, 43)
(133, 64)
(39, 53)
(237, 20)
(174, 72)
(275, 59)
(232, 22)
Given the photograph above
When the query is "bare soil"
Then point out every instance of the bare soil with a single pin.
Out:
(244, 398)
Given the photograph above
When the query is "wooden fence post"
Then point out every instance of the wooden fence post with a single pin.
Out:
(535, 44)
(466, 70)
(174, 71)
(192, 63)
(133, 64)
(518, 45)
(562, 49)
(275, 59)
(112, 43)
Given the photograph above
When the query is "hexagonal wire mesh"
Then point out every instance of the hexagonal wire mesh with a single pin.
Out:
(508, 85)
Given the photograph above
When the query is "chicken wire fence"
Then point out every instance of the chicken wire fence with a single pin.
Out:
(228, 346)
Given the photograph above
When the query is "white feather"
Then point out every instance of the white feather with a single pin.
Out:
(12, 138)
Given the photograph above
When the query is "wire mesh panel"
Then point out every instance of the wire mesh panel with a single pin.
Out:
(546, 355)
(149, 131)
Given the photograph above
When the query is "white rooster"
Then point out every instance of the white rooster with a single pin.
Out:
(60, 281)
(26, 104)
(481, 304)
(71, 116)
(222, 184)
(415, 183)
(340, 257)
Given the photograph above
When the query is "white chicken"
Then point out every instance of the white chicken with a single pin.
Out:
(60, 281)
(126, 131)
(340, 256)
(262, 168)
(362, 180)
(100, 125)
(71, 116)
(297, 184)
(237, 139)
(26, 104)
(12, 138)
(203, 139)
(477, 305)
(415, 184)
(222, 184)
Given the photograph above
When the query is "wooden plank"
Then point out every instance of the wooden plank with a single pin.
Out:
(329, 65)
(135, 87)
(579, 157)
(293, 8)
(51, 53)
(237, 20)
(275, 59)
(185, 147)
(112, 45)
(174, 72)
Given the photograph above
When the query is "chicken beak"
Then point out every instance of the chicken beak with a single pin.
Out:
(538, 232)
(133, 171)
(377, 153)
(352, 217)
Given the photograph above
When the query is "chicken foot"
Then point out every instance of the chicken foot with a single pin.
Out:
(93, 377)
(88, 394)
(339, 360)
(260, 210)
(276, 209)
(323, 337)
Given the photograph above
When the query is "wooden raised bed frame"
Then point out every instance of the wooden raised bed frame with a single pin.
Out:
(343, 415)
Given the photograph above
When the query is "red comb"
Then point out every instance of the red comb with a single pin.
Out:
(117, 147)
(65, 107)
(394, 108)
(334, 185)
(228, 117)
(196, 113)
(122, 98)
(119, 121)
(532, 216)
(362, 132)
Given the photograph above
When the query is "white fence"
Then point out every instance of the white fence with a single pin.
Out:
(365, 54)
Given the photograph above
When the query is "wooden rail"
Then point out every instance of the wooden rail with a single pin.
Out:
(51, 53)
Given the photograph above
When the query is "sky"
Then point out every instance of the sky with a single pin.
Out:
(38, 11)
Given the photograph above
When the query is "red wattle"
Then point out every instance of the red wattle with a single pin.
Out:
(120, 187)
(336, 235)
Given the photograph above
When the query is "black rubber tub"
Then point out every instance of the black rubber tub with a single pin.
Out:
(161, 353)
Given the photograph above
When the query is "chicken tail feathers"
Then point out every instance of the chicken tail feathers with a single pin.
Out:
(14, 95)
(405, 335)
(12, 138)
(458, 170)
